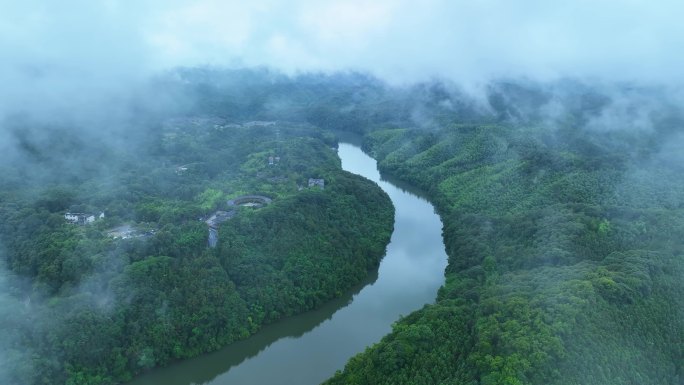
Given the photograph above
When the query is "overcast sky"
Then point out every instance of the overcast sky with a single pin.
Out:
(92, 45)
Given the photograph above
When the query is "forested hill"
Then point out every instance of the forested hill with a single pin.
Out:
(566, 258)
(97, 303)
(562, 205)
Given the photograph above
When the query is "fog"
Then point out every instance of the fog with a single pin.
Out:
(104, 68)
(94, 45)
(75, 59)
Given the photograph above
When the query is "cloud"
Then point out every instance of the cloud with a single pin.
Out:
(57, 56)
(462, 40)
(78, 55)
(395, 38)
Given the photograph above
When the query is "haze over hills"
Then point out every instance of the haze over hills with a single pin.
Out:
(549, 137)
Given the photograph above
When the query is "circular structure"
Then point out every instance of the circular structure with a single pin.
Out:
(250, 201)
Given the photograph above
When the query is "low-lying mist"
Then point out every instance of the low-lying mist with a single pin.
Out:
(88, 89)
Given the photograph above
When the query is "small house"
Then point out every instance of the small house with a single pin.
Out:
(82, 218)
(73, 217)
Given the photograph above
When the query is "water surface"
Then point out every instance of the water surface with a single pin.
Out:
(309, 348)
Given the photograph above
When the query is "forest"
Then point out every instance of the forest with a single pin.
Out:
(90, 305)
(175, 207)
(562, 206)
(565, 252)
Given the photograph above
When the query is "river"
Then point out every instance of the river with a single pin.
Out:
(309, 348)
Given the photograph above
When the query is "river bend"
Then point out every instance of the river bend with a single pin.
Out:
(309, 348)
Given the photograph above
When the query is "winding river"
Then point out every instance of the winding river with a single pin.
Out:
(309, 348)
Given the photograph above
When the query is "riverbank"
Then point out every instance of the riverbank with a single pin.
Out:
(309, 348)
(564, 262)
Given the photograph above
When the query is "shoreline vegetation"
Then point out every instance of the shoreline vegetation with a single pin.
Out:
(564, 263)
(100, 309)
(562, 205)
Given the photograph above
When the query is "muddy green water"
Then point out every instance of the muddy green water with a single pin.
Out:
(309, 348)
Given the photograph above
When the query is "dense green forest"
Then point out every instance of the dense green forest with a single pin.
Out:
(563, 220)
(93, 304)
(562, 204)
(566, 250)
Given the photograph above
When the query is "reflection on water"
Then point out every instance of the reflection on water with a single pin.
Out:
(309, 348)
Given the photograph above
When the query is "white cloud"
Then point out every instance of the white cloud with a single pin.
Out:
(346, 22)
(202, 32)
(401, 40)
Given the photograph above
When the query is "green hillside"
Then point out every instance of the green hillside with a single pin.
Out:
(95, 304)
(566, 254)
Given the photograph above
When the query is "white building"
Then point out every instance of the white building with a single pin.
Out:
(72, 217)
(81, 218)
